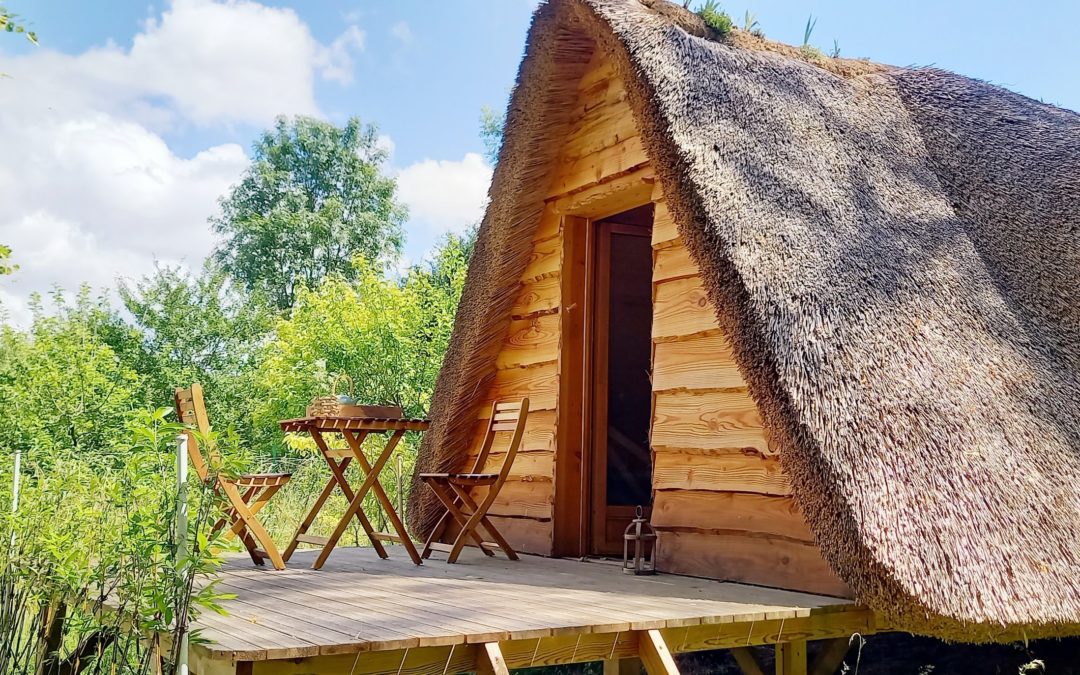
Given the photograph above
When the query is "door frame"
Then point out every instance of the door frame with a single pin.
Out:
(572, 499)
(597, 313)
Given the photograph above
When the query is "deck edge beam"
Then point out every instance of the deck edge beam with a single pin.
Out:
(573, 647)
(770, 631)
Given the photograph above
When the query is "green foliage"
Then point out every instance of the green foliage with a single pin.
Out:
(65, 390)
(492, 125)
(811, 53)
(751, 25)
(808, 51)
(313, 198)
(811, 22)
(388, 335)
(715, 18)
(10, 23)
(197, 329)
(308, 232)
(835, 53)
(5, 255)
(89, 562)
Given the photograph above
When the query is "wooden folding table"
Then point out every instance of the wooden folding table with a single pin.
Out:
(354, 430)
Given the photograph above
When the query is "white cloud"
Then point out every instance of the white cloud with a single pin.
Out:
(335, 61)
(444, 195)
(94, 198)
(402, 33)
(89, 188)
(387, 145)
(202, 61)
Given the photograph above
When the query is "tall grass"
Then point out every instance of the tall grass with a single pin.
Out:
(90, 580)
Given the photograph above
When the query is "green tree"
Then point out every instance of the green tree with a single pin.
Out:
(197, 329)
(313, 198)
(388, 335)
(64, 390)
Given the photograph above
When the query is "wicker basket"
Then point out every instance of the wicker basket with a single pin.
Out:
(331, 406)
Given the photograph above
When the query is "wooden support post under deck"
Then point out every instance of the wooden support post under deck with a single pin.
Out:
(791, 658)
(655, 654)
(831, 656)
(626, 666)
(490, 661)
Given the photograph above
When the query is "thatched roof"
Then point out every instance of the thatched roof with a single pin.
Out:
(896, 253)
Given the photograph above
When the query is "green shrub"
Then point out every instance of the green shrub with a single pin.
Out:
(715, 18)
(811, 53)
(89, 570)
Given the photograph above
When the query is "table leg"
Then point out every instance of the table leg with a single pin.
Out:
(309, 519)
(339, 479)
(355, 506)
(380, 494)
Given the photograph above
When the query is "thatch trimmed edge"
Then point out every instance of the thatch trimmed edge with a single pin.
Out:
(556, 56)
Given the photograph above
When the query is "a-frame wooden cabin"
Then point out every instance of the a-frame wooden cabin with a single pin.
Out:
(762, 293)
(636, 397)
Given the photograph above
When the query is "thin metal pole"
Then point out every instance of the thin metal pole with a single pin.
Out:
(16, 481)
(15, 486)
(181, 533)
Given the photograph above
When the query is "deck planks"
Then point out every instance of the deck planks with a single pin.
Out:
(359, 603)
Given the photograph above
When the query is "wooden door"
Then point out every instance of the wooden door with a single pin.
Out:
(621, 391)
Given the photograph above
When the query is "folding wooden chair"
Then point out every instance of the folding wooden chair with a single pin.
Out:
(452, 489)
(247, 494)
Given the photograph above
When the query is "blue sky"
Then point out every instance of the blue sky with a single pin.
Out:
(131, 117)
(422, 84)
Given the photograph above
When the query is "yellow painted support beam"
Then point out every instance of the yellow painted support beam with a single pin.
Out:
(490, 660)
(628, 666)
(748, 663)
(620, 648)
(791, 658)
(655, 654)
(771, 631)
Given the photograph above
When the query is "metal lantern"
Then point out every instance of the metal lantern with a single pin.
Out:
(643, 537)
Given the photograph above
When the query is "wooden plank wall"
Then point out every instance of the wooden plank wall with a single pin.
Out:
(601, 144)
(722, 504)
(527, 365)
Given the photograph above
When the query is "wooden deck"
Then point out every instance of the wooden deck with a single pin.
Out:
(361, 614)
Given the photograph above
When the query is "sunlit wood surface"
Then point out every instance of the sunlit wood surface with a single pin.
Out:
(360, 603)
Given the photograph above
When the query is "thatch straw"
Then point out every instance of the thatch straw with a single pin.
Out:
(896, 253)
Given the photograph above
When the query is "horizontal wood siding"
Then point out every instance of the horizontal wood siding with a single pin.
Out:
(602, 146)
(699, 363)
(527, 366)
(718, 471)
(723, 506)
(707, 419)
(778, 562)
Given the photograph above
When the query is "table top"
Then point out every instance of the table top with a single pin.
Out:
(355, 424)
